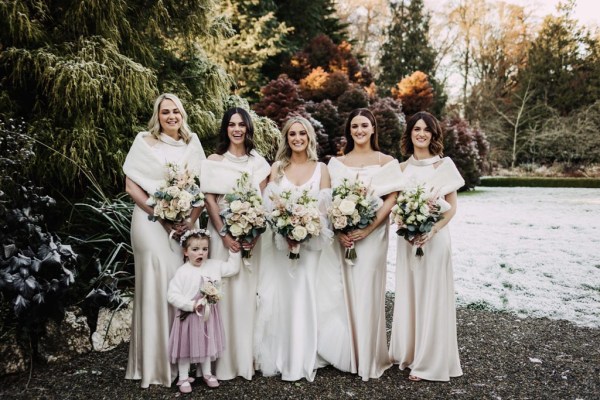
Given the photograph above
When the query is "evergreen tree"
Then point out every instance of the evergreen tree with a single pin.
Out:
(83, 74)
(562, 67)
(255, 36)
(308, 19)
(408, 49)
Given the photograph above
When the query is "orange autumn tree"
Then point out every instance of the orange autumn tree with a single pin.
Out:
(415, 92)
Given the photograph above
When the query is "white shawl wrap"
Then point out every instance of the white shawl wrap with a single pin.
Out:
(384, 181)
(220, 177)
(446, 178)
(144, 168)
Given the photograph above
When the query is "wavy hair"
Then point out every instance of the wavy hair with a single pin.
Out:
(347, 131)
(436, 146)
(154, 124)
(284, 151)
(224, 141)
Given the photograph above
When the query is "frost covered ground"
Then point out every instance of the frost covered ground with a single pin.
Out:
(531, 251)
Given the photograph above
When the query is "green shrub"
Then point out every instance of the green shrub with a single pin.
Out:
(540, 182)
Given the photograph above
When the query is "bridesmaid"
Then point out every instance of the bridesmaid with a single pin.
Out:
(286, 329)
(424, 325)
(235, 154)
(168, 140)
(364, 350)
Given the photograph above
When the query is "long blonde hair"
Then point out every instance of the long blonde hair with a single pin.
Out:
(284, 152)
(154, 123)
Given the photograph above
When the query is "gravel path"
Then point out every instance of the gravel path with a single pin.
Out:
(503, 357)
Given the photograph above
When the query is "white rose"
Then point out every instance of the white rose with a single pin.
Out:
(235, 206)
(236, 230)
(424, 210)
(299, 233)
(173, 191)
(281, 222)
(312, 228)
(347, 207)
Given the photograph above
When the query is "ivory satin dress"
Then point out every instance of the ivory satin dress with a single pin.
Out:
(238, 305)
(156, 259)
(352, 327)
(424, 325)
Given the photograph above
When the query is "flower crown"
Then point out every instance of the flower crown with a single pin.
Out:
(192, 232)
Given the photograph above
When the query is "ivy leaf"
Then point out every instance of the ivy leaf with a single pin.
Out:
(9, 250)
(20, 304)
(39, 297)
(19, 261)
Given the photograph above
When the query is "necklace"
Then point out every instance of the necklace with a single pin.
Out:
(235, 159)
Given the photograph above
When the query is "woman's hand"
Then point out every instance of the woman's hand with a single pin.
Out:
(345, 240)
(168, 227)
(359, 234)
(230, 243)
(291, 243)
(250, 245)
(421, 239)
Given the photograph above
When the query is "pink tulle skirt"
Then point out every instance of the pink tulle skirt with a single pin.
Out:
(196, 339)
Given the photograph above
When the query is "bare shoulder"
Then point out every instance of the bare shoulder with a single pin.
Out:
(215, 157)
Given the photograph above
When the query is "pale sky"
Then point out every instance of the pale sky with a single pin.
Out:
(587, 11)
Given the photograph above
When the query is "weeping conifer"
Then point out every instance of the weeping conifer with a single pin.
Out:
(84, 75)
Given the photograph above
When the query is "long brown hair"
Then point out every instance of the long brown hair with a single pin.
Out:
(349, 140)
(436, 146)
(224, 141)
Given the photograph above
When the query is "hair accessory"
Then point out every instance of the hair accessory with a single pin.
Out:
(193, 232)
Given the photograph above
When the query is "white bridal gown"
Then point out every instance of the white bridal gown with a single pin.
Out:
(238, 305)
(286, 329)
(352, 332)
(424, 326)
(156, 259)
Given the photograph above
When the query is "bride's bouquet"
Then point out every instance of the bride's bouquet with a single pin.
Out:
(353, 207)
(295, 217)
(245, 216)
(173, 201)
(415, 212)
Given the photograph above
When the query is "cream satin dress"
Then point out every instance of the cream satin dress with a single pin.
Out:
(238, 305)
(424, 325)
(156, 259)
(352, 326)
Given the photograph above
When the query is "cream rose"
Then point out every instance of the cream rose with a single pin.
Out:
(347, 207)
(299, 233)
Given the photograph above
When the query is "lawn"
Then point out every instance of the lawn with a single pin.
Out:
(531, 251)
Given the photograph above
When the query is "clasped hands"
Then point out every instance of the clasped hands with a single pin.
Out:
(235, 246)
(176, 229)
(349, 238)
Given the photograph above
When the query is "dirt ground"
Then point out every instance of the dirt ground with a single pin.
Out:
(503, 357)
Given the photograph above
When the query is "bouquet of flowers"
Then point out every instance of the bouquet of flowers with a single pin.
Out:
(353, 207)
(245, 216)
(174, 200)
(295, 217)
(415, 212)
(210, 293)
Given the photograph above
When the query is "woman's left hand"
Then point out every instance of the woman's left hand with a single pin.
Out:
(420, 240)
(358, 234)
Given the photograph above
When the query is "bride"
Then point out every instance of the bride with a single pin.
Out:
(286, 330)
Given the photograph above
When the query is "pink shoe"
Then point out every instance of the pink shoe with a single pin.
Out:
(184, 385)
(211, 381)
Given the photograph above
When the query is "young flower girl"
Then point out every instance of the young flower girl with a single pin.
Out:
(197, 334)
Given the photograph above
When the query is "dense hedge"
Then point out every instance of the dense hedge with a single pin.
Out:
(541, 182)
